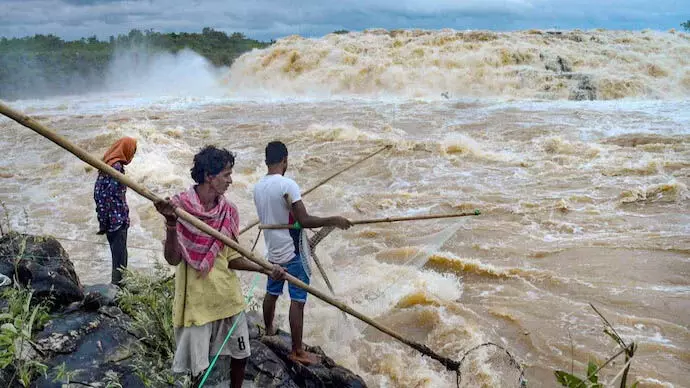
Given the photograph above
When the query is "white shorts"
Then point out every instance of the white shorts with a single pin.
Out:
(196, 344)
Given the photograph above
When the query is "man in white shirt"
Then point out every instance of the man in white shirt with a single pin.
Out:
(271, 197)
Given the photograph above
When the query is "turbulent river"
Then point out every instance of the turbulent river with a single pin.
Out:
(582, 201)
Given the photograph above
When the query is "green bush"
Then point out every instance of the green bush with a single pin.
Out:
(19, 320)
(148, 299)
(591, 379)
(47, 65)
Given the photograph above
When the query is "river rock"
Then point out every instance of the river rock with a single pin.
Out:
(100, 295)
(92, 338)
(585, 90)
(42, 263)
(558, 65)
(92, 345)
(269, 366)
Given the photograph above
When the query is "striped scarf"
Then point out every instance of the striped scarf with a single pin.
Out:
(199, 249)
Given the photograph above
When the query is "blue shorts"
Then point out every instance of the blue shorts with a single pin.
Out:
(295, 268)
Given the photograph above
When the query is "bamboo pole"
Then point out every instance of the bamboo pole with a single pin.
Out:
(144, 192)
(382, 220)
(323, 273)
(325, 180)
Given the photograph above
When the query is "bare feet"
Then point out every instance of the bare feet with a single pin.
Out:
(303, 357)
(196, 380)
(270, 332)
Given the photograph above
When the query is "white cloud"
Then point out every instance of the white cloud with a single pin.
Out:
(266, 19)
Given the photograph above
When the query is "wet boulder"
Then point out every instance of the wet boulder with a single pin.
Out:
(100, 295)
(42, 264)
(269, 365)
(93, 345)
(558, 65)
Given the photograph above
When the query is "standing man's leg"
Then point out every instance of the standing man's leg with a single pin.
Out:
(237, 368)
(274, 288)
(298, 298)
(118, 250)
(238, 347)
(269, 307)
(296, 332)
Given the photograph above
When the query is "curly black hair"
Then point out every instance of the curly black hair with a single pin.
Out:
(211, 160)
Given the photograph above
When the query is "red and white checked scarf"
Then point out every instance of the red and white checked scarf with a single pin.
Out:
(199, 249)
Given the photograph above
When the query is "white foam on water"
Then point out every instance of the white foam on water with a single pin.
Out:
(438, 65)
(559, 199)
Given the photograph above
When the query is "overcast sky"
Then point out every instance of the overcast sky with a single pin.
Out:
(272, 19)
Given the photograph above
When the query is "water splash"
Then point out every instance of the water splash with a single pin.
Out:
(577, 65)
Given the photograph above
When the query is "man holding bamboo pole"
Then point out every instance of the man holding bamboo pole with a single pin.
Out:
(208, 301)
(171, 213)
(283, 246)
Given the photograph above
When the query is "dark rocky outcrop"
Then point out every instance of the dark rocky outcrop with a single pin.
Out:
(92, 345)
(558, 65)
(100, 295)
(42, 263)
(90, 337)
(585, 89)
(269, 365)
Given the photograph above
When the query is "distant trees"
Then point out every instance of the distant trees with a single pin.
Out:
(41, 64)
(686, 25)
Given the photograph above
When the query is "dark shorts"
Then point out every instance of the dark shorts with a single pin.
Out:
(294, 267)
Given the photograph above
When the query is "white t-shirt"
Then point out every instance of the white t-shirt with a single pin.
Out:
(269, 199)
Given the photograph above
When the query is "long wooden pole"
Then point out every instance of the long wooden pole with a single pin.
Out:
(342, 170)
(323, 272)
(144, 192)
(325, 180)
(382, 220)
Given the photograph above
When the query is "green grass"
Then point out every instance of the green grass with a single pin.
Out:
(148, 299)
(18, 322)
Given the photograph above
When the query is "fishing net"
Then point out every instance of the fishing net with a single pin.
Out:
(307, 248)
(407, 261)
(487, 364)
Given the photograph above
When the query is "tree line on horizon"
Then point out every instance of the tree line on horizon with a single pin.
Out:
(45, 65)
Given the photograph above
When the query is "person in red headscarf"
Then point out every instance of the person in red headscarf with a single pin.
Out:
(111, 204)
